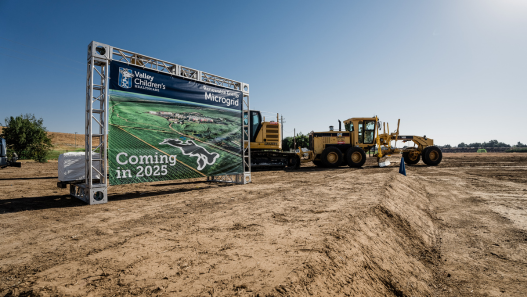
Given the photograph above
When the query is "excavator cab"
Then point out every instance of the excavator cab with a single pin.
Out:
(264, 135)
(256, 124)
(266, 143)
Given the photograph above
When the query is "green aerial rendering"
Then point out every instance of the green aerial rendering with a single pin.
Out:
(154, 138)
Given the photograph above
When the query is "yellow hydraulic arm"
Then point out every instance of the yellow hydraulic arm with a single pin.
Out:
(385, 139)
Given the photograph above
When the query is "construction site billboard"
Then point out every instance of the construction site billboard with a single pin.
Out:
(163, 127)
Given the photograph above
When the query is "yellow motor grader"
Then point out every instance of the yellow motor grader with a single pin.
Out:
(337, 148)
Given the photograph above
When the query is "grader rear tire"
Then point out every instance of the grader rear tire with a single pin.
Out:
(356, 157)
(411, 159)
(331, 157)
(432, 156)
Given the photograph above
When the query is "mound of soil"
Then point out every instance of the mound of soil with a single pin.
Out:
(390, 249)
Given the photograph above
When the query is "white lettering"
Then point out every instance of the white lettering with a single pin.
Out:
(133, 162)
(227, 101)
(172, 160)
(117, 158)
(145, 158)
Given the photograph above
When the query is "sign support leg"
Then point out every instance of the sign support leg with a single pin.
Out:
(95, 188)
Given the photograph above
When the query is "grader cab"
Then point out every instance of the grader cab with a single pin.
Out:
(361, 135)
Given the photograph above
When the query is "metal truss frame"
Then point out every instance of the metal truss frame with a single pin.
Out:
(94, 189)
(246, 137)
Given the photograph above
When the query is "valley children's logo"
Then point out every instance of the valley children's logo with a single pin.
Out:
(141, 80)
(125, 78)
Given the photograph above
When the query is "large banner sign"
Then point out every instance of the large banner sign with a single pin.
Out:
(163, 127)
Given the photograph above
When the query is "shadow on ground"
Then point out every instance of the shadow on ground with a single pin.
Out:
(62, 201)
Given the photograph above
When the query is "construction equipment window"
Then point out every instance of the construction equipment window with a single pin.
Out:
(369, 131)
(361, 132)
(348, 127)
(245, 122)
(255, 122)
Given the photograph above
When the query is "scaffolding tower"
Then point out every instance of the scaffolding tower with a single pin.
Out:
(94, 190)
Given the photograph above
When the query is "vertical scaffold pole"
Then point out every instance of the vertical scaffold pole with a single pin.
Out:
(94, 189)
(246, 135)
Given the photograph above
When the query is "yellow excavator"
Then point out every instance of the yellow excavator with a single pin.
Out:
(266, 144)
(336, 148)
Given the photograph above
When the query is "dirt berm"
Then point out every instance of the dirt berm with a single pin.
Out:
(390, 249)
(320, 232)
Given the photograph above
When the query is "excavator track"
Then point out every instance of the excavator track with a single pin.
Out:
(268, 160)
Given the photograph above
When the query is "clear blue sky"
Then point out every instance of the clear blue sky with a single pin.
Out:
(453, 70)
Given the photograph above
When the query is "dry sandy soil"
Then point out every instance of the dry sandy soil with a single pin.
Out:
(66, 141)
(458, 229)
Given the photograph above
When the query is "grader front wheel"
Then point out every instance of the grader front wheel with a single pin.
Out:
(411, 158)
(432, 156)
(294, 162)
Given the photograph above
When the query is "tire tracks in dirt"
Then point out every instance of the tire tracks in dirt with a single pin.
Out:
(484, 248)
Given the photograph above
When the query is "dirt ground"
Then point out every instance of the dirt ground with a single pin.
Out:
(458, 229)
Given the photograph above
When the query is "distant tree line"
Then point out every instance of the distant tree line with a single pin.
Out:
(492, 143)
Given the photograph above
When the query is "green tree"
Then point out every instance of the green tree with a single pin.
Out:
(27, 137)
(521, 144)
(447, 146)
(494, 143)
(301, 141)
(462, 145)
(287, 144)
